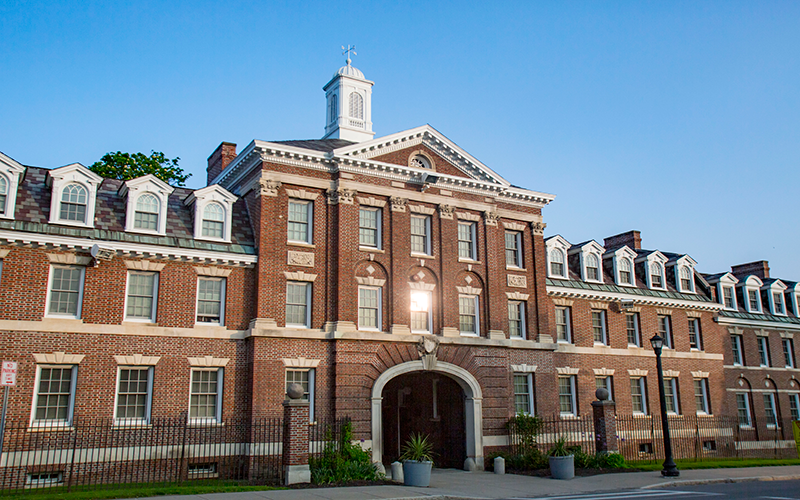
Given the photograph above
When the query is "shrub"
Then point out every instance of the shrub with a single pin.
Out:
(342, 461)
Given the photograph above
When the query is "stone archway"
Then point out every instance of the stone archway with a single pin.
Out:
(473, 406)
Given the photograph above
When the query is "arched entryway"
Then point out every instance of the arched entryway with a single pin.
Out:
(459, 410)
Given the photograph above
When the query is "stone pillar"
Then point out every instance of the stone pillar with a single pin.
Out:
(295, 438)
(605, 423)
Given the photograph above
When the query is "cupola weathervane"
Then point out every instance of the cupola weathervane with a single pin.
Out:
(347, 51)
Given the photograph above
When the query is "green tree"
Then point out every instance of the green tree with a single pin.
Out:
(126, 166)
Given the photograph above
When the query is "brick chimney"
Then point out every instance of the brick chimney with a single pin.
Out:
(760, 268)
(220, 159)
(632, 238)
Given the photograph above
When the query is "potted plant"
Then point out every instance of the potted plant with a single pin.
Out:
(562, 461)
(417, 460)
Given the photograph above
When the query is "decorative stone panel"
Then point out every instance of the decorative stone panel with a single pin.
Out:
(491, 218)
(398, 203)
(305, 259)
(514, 226)
(299, 276)
(469, 290)
(341, 195)
(517, 281)
(446, 211)
(538, 228)
(468, 216)
(268, 187)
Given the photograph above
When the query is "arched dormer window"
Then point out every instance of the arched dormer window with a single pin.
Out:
(656, 275)
(10, 174)
(557, 263)
(3, 194)
(686, 279)
(213, 221)
(73, 203)
(592, 267)
(625, 272)
(356, 106)
(146, 214)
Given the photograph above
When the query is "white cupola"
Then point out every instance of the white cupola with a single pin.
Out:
(349, 105)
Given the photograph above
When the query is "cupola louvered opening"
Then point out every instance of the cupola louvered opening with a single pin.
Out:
(356, 106)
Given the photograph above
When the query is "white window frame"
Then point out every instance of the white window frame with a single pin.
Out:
(76, 173)
(773, 289)
(12, 171)
(746, 399)
(775, 423)
(752, 284)
(573, 395)
(154, 309)
(220, 383)
(518, 263)
(736, 349)
(585, 252)
(379, 320)
(617, 256)
(426, 236)
(788, 353)
(673, 384)
(764, 359)
(312, 381)
(473, 241)
(476, 302)
(732, 290)
(652, 267)
(529, 386)
(679, 278)
(378, 227)
(148, 400)
(520, 306)
(623, 262)
(650, 261)
(223, 288)
(567, 317)
(429, 300)
(307, 286)
(669, 341)
(157, 212)
(637, 327)
(599, 260)
(552, 244)
(133, 189)
(706, 410)
(551, 261)
(309, 205)
(641, 382)
(794, 406)
(67, 422)
(697, 333)
(201, 198)
(79, 310)
(603, 324)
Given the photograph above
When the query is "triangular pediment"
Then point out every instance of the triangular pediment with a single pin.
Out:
(427, 136)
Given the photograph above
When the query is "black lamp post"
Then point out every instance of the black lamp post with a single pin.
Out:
(670, 470)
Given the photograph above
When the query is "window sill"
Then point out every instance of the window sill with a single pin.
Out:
(145, 231)
(634, 346)
(301, 244)
(469, 334)
(200, 475)
(569, 416)
(131, 425)
(416, 332)
(212, 240)
(562, 341)
(468, 261)
(371, 249)
(516, 269)
(71, 223)
(422, 255)
(212, 325)
(205, 423)
(50, 427)
(556, 277)
(640, 414)
(142, 322)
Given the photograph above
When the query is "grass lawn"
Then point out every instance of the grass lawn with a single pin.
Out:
(134, 491)
(717, 464)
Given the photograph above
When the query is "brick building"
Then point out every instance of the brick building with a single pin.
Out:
(399, 280)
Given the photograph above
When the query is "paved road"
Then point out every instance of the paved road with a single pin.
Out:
(755, 490)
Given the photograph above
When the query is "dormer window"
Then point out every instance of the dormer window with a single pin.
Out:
(622, 262)
(557, 257)
(213, 208)
(725, 284)
(656, 275)
(146, 216)
(753, 300)
(751, 294)
(686, 280)
(683, 273)
(213, 220)
(588, 256)
(73, 203)
(74, 193)
(728, 298)
(777, 303)
(592, 267)
(3, 194)
(557, 263)
(774, 294)
(10, 173)
(625, 272)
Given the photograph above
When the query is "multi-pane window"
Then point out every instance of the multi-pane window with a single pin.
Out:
(516, 318)
(300, 221)
(213, 221)
(625, 272)
(599, 327)
(794, 406)
(788, 352)
(567, 395)
(298, 304)
(523, 393)
(557, 263)
(513, 249)
(369, 308)
(134, 386)
(306, 380)
(695, 339)
(210, 300)
(743, 409)
(563, 329)
(727, 297)
(656, 275)
(686, 279)
(421, 307)
(141, 299)
(55, 395)
(205, 402)
(420, 234)
(770, 414)
(671, 394)
(592, 267)
(73, 203)
(763, 350)
(466, 240)
(777, 302)
(736, 347)
(638, 395)
(369, 224)
(701, 396)
(468, 314)
(632, 327)
(755, 303)
(146, 214)
(665, 330)
(607, 383)
(3, 194)
(66, 287)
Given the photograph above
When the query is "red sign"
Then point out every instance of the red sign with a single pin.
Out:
(8, 376)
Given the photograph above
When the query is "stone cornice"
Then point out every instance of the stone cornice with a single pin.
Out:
(644, 300)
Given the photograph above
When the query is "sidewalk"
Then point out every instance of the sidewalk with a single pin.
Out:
(455, 484)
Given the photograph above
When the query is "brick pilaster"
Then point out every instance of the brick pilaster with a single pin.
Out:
(295, 442)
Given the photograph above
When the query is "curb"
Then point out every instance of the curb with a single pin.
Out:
(694, 482)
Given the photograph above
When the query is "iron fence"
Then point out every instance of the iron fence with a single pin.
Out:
(577, 431)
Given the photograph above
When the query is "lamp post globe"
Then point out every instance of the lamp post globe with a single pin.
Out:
(670, 469)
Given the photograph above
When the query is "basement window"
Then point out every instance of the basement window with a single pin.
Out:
(44, 479)
(203, 470)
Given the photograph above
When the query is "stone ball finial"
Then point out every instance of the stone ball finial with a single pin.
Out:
(601, 394)
(295, 391)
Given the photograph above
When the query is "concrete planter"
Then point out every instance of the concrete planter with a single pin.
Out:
(562, 467)
(417, 473)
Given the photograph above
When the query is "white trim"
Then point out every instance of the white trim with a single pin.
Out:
(133, 189)
(148, 403)
(617, 257)
(641, 377)
(79, 309)
(378, 229)
(650, 260)
(379, 320)
(473, 241)
(567, 317)
(677, 264)
(154, 309)
(312, 380)
(218, 410)
(67, 422)
(307, 286)
(603, 323)
(13, 173)
(528, 376)
(519, 256)
(429, 293)
(76, 173)
(590, 248)
(573, 389)
(559, 291)
(223, 289)
(309, 204)
(523, 330)
(427, 235)
(201, 199)
(476, 302)
(751, 284)
(557, 243)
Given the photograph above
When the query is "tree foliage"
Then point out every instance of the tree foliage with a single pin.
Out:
(126, 166)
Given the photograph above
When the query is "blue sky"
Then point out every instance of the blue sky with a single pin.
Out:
(679, 119)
